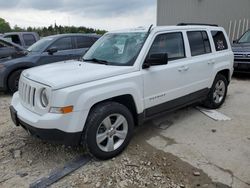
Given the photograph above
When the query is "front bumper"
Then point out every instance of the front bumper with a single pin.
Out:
(52, 135)
(63, 129)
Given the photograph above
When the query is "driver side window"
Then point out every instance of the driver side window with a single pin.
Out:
(63, 44)
(170, 43)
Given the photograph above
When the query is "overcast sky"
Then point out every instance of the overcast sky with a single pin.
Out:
(102, 14)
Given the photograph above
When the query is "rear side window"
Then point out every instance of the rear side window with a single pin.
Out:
(199, 42)
(171, 43)
(29, 39)
(63, 44)
(219, 40)
(84, 42)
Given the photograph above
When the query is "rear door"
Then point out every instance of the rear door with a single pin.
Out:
(200, 60)
(83, 43)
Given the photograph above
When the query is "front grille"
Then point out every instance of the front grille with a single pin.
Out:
(238, 60)
(242, 56)
(27, 93)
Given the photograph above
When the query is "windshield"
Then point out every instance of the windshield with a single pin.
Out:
(119, 49)
(245, 38)
(40, 45)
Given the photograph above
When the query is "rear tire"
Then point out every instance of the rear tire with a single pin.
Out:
(217, 93)
(13, 81)
(109, 128)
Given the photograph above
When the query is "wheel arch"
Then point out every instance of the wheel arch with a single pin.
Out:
(127, 100)
(226, 73)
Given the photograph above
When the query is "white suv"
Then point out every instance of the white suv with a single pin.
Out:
(124, 79)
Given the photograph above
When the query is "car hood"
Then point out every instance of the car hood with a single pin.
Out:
(241, 47)
(70, 73)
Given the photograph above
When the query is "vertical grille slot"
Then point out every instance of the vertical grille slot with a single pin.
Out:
(28, 96)
(33, 99)
(25, 93)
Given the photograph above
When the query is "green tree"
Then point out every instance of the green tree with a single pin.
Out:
(4, 26)
(17, 29)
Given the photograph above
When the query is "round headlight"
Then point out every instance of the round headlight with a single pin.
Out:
(44, 98)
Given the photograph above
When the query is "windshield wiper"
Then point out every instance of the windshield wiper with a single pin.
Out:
(99, 61)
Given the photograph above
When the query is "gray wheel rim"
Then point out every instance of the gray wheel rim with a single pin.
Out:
(112, 132)
(219, 92)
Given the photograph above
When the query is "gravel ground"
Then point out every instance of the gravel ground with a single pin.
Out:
(24, 159)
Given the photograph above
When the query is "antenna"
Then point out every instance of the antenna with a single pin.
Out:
(149, 29)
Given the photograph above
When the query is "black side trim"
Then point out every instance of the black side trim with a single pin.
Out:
(177, 103)
(53, 135)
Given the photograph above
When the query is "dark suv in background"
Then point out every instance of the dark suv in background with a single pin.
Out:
(47, 50)
(241, 49)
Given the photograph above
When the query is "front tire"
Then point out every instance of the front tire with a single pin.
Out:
(109, 129)
(217, 93)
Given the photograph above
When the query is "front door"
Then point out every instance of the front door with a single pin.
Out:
(65, 51)
(163, 83)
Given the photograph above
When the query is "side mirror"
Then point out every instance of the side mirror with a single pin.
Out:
(156, 59)
(52, 50)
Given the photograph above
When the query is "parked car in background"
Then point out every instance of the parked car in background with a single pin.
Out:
(241, 49)
(24, 39)
(47, 50)
(10, 50)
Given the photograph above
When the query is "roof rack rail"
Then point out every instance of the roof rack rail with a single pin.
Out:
(185, 24)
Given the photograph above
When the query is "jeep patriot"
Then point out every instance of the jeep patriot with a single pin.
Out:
(125, 78)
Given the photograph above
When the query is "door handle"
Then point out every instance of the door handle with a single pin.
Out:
(211, 62)
(183, 68)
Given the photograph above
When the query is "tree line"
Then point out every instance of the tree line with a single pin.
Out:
(50, 30)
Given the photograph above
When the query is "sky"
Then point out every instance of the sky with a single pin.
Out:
(100, 14)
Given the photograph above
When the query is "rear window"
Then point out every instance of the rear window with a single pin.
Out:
(84, 42)
(29, 39)
(199, 42)
(219, 40)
